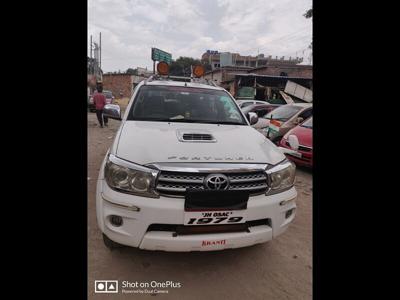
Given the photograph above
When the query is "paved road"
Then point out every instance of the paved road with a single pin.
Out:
(280, 269)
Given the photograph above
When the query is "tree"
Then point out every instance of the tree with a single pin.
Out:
(308, 14)
(181, 66)
(131, 71)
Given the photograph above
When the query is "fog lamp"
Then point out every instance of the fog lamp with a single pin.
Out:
(116, 220)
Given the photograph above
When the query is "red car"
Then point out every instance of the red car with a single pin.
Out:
(297, 144)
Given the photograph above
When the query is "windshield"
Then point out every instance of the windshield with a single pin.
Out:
(185, 104)
(283, 113)
(108, 94)
(307, 123)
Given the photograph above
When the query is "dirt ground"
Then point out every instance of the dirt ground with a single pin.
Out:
(279, 269)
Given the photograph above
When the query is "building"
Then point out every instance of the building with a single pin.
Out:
(276, 69)
(220, 59)
(121, 84)
(264, 87)
(224, 74)
(144, 72)
(262, 83)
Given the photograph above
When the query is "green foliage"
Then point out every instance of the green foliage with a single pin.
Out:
(181, 66)
(131, 71)
(308, 13)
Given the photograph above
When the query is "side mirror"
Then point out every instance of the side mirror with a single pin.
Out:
(253, 118)
(112, 111)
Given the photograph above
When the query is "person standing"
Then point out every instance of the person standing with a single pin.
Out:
(99, 101)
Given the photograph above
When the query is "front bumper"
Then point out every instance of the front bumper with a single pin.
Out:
(306, 159)
(139, 213)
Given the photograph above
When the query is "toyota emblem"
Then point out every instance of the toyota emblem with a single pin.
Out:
(216, 182)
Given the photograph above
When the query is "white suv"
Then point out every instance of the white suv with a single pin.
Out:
(187, 172)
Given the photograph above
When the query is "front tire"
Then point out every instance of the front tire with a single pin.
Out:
(110, 244)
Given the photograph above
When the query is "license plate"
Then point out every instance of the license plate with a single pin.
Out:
(214, 217)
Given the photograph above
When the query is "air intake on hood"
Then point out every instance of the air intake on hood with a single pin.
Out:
(195, 137)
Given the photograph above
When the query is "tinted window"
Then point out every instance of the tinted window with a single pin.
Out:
(248, 108)
(306, 114)
(185, 104)
(283, 113)
(261, 112)
(245, 104)
(108, 94)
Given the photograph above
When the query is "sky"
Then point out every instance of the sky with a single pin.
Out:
(130, 28)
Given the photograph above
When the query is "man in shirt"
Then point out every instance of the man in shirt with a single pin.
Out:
(99, 101)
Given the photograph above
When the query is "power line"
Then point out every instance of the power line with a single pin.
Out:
(286, 37)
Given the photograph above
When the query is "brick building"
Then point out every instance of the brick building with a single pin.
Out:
(121, 83)
(118, 83)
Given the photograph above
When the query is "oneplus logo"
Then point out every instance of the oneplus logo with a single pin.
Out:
(106, 286)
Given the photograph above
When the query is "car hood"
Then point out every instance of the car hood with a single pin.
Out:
(145, 142)
(304, 135)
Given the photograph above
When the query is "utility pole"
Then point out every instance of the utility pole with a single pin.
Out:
(91, 46)
(100, 52)
(258, 53)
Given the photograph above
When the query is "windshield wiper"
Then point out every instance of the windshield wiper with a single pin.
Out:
(223, 122)
(190, 121)
(278, 119)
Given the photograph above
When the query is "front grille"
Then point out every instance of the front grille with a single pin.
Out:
(301, 148)
(175, 183)
(305, 149)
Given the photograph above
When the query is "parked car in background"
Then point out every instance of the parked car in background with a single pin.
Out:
(278, 122)
(109, 99)
(244, 103)
(297, 144)
(260, 109)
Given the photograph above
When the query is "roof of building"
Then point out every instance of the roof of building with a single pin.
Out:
(270, 76)
(114, 74)
(230, 68)
(282, 65)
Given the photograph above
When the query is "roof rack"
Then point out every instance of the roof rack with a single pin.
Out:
(179, 78)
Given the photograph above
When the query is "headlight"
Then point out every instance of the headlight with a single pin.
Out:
(281, 177)
(130, 178)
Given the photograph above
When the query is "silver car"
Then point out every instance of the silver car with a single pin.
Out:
(278, 122)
